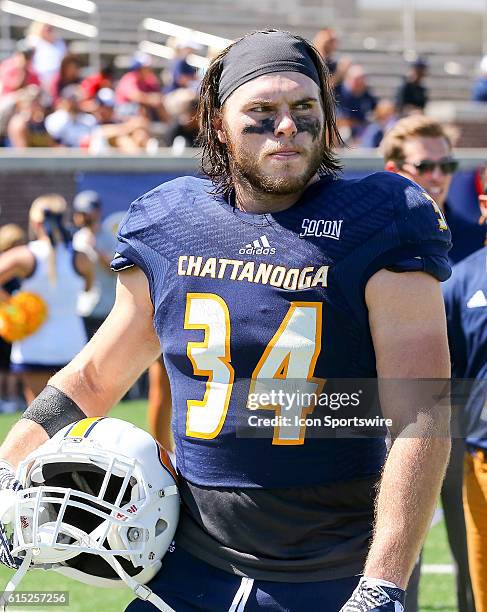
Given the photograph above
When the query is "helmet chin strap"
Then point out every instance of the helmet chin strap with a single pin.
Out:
(15, 580)
(141, 590)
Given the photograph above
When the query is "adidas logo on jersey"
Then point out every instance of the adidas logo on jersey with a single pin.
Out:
(260, 246)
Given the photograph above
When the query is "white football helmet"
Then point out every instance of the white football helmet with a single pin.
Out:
(99, 504)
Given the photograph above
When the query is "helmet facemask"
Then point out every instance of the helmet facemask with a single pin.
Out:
(93, 514)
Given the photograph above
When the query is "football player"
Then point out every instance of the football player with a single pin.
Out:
(418, 148)
(263, 284)
(466, 307)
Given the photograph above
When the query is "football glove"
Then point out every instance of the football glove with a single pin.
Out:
(375, 595)
(8, 487)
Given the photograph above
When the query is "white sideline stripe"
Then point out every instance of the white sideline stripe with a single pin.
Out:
(437, 517)
(441, 568)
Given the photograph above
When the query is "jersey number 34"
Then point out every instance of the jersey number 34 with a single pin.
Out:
(285, 369)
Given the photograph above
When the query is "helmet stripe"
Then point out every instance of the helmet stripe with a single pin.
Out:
(82, 428)
(164, 460)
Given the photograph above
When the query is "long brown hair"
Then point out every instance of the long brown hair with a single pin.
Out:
(55, 204)
(215, 161)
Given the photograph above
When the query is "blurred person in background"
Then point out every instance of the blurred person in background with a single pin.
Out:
(182, 74)
(48, 267)
(98, 244)
(159, 413)
(92, 84)
(17, 72)
(135, 136)
(27, 127)
(412, 94)
(11, 236)
(129, 135)
(479, 91)
(355, 102)
(49, 51)
(69, 74)
(326, 41)
(466, 308)
(102, 106)
(419, 148)
(68, 125)
(140, 89)
(182, 131)
(384, 117)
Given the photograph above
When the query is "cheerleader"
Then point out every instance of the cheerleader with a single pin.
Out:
(48, 266)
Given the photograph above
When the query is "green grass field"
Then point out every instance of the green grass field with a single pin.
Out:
(436, 589)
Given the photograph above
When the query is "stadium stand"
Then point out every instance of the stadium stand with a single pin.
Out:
(452, 41)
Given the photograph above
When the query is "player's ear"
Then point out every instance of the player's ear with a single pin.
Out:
(391, 166)
(218, 127)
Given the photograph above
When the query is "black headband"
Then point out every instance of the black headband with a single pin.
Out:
(263, 53)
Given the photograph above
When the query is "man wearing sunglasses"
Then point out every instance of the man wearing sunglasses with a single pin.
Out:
(418, 148)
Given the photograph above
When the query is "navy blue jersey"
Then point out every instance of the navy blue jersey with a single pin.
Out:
(243, 299)
(466, 307)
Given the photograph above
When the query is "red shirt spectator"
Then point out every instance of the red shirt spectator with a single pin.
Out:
(136, 81)
(92, 84)
(16, 71)
(140, 86)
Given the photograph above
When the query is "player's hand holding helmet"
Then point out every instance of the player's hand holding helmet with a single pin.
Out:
(375, 595)
(99, 504)
(8, 487)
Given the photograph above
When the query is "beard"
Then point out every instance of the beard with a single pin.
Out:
(246, 169)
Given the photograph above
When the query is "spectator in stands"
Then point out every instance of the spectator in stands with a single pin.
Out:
(68, 125)
(47, 266)
(98, 244)
(27, 127)
(412, 95)
(17, 72)
(11, 236)
(183, 130)
(69, 74)
(355, 102)
(479, 92)
(92, 84)
(140, 88)
(49, 51)
(419, 148)
(131, 136)
(182, 73)
(103, 106)
(326, 41)
(384, 117)
(137, 138)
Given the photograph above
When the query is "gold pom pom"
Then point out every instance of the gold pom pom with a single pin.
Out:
(21, 316)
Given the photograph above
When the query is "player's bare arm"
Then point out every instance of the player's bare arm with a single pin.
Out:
(15, 263)
(85, 268)
(105, 369)
(408, 326)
